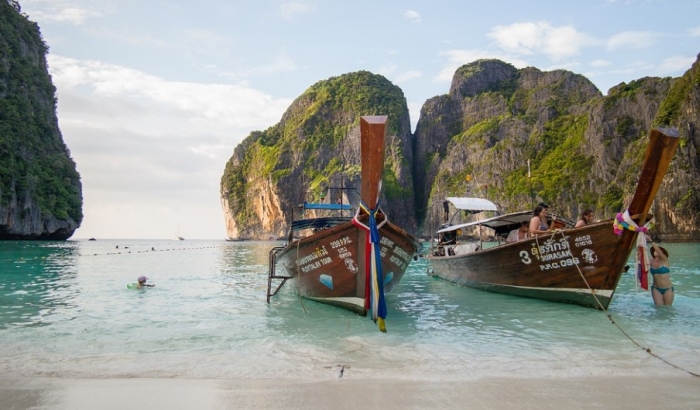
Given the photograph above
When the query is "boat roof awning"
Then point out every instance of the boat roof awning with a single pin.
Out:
(319, 223)
(472, 204)
(500, 224)
(332, 207)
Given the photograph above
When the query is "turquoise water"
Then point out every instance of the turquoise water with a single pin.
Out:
(65, 311)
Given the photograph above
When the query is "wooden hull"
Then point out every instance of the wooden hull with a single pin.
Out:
(329, 266)
(581, 266)
(545, 267)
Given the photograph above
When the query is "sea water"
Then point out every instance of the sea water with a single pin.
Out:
(65, 311)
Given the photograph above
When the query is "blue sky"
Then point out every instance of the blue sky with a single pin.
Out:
(153, 96)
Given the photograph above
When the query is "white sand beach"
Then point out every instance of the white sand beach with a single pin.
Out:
(608, 392)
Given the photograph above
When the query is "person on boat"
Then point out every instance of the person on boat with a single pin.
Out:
(662, 290)
(586, 218)
(142, 283)
(519, 234)
(449, 237)
(538, 222)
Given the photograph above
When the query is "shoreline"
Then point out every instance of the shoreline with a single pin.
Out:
(607, 392)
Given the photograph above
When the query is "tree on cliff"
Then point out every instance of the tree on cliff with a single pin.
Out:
(40, 188)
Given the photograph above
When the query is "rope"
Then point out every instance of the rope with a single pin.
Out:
(608, 315)
(155, 250)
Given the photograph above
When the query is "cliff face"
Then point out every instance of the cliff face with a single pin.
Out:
(582, 149)
(40, 189)
(493, 120)
(677, 207)
(314, 150)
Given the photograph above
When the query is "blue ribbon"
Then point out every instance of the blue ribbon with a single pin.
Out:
(374, 239)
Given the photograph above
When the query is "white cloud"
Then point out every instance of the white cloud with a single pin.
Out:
(291, 9)
(281, 63)
(407, 76)
(631, 39)
(70, 11)
(457, 58)
(694, 32)
(521, 38)
(600, 63)
(149, 102)
(412, 16)
(152, 142)
(634, 67)
(414, 111)
(387, 69)
(676, 65)
(541, 38)
(570, 65)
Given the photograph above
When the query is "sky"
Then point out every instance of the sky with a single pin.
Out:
(153, 96)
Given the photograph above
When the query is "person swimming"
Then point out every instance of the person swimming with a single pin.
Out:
(141, 283)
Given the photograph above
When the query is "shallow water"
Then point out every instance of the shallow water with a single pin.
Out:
(65, 311)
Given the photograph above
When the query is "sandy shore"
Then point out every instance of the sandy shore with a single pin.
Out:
(590, 393)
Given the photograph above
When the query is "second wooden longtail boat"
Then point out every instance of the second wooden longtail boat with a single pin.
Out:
(579, 265)
(349, 262)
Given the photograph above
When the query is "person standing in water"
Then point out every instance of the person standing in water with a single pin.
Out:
(662, 290)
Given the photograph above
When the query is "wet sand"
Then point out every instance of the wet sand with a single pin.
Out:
(610, 392)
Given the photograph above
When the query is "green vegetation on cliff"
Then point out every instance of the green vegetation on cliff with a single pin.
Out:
(309, 143)
(35, 161)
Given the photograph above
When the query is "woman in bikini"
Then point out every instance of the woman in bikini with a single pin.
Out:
(586, 218)
(662, 289)
(538, 222)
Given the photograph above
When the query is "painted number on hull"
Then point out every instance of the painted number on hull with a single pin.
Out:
(560, 264)
(554, 254)
(525, 257)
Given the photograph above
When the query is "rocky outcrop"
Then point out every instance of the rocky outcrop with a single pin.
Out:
(40, 189)
(492, 122)
(584, 148)
(677, 206)
(312, 152)
(515, 136)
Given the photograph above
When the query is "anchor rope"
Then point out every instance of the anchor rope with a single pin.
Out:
(603, 309)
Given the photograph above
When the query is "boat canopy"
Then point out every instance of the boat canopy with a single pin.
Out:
(319, 223)
(331, 207)
(472, 204)
(501, 224)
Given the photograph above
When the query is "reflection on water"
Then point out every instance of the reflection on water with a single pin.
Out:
(37, 278)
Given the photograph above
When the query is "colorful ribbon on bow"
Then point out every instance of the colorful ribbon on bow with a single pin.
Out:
(642, 261)
(373, 265)
(623, 221)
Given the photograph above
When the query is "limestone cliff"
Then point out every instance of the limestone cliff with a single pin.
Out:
(677, 207)
(583, 148)
(313, 150)
(40, 189)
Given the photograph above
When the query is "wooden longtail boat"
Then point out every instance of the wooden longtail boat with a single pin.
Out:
(349, 262)
(571, 265)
